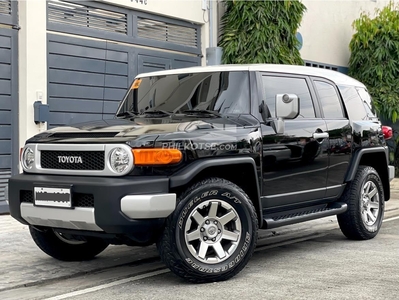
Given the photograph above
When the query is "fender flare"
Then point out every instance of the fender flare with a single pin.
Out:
(357, 156)
(188, 173)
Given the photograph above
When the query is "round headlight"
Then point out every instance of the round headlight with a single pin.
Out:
(119, 160)
(28, 158)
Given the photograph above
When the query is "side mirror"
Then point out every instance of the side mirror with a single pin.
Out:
(264, 112)
(287, 106)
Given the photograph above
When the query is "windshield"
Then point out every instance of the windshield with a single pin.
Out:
(223, 92)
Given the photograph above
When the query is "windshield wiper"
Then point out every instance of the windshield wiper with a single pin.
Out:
(202, 112)
(127, 114)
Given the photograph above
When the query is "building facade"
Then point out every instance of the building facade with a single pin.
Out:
(78, 57)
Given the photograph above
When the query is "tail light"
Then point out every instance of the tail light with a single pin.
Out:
(387, 132)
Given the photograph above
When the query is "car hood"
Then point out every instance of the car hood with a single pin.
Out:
(143, 131)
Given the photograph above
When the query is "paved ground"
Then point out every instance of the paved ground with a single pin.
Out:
(23, 264)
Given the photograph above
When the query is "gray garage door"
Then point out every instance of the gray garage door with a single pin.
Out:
(8, 97)
(88, 78)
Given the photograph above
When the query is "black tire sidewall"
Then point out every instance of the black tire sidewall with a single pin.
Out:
(248, 234)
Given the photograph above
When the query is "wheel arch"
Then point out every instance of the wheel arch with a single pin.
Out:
(374, 157)
(226, 168)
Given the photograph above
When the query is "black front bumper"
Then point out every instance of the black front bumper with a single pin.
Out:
(107, 193)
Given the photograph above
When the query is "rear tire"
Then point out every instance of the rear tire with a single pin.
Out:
(63, 248)
(212, 233)
(366, 203)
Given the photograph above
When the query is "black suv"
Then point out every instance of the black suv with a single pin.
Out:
(197, 160)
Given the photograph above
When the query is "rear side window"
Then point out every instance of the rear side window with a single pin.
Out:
(274, 85)
(354, 104)
(330, 102)
(366, 99)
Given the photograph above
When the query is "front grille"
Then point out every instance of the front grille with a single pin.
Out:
(78, 199)
(90, 160)
(82, 200)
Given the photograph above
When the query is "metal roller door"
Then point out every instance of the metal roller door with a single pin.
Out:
(8, 97)
(87, 78)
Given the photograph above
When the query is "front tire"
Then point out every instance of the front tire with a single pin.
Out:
(212, 233)
(366, 203)
(64, 248)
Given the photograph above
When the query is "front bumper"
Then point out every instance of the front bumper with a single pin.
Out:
(129, 205)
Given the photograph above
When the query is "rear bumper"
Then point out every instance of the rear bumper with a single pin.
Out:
(391, 172)
(134, 206)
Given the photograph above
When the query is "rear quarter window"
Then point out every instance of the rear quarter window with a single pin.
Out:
(357, 102)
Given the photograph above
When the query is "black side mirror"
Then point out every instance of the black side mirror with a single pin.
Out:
(264, 111)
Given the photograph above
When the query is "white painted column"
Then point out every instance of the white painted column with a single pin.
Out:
(32, 64)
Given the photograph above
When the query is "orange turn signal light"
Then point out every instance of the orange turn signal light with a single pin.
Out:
(136, 84)
(156, 156)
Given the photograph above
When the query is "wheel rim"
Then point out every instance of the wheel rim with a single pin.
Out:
(213, 231)
(370, 203)
(67, 240)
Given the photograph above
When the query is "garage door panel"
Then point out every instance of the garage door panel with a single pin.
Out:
(74, 91)
(116, 68)
(75, 77)
(116, 81)
(76, 105)
(177, 63)
(5, 132)
(5, 71)
(5, 163)
(5, 147)
(152, 63)
(59, 119)
(5, 87)
(5, 117)
(110, 107)
(5, 42)
(5, 56)
(118, 56)
(5, 102)
(114, 94)
(76, 63)
(76, 50)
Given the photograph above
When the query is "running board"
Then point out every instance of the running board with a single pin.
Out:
(302, 215)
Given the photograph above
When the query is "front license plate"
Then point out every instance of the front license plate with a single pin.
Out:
(54, 197)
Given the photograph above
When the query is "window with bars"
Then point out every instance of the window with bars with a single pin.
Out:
(167, 32)
(5, 7)
(321, 66)
(67, 13)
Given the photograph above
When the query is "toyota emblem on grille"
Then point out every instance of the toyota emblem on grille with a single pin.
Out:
(70, 159)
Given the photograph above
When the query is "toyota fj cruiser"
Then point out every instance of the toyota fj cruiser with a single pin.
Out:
(197, 160)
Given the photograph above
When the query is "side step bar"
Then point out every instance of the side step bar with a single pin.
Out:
(302, 215)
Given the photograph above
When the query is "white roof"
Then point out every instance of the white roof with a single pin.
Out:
(337, 77)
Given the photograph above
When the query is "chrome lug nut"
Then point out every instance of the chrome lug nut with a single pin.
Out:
(205, 238)
(219, 231)
(202, 229)
(215, 222)
(207, 222)
(214, 239)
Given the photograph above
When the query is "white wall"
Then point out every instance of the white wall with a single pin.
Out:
(32, 63)
(326, 28)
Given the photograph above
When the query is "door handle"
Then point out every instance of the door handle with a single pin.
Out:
(320, 135)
